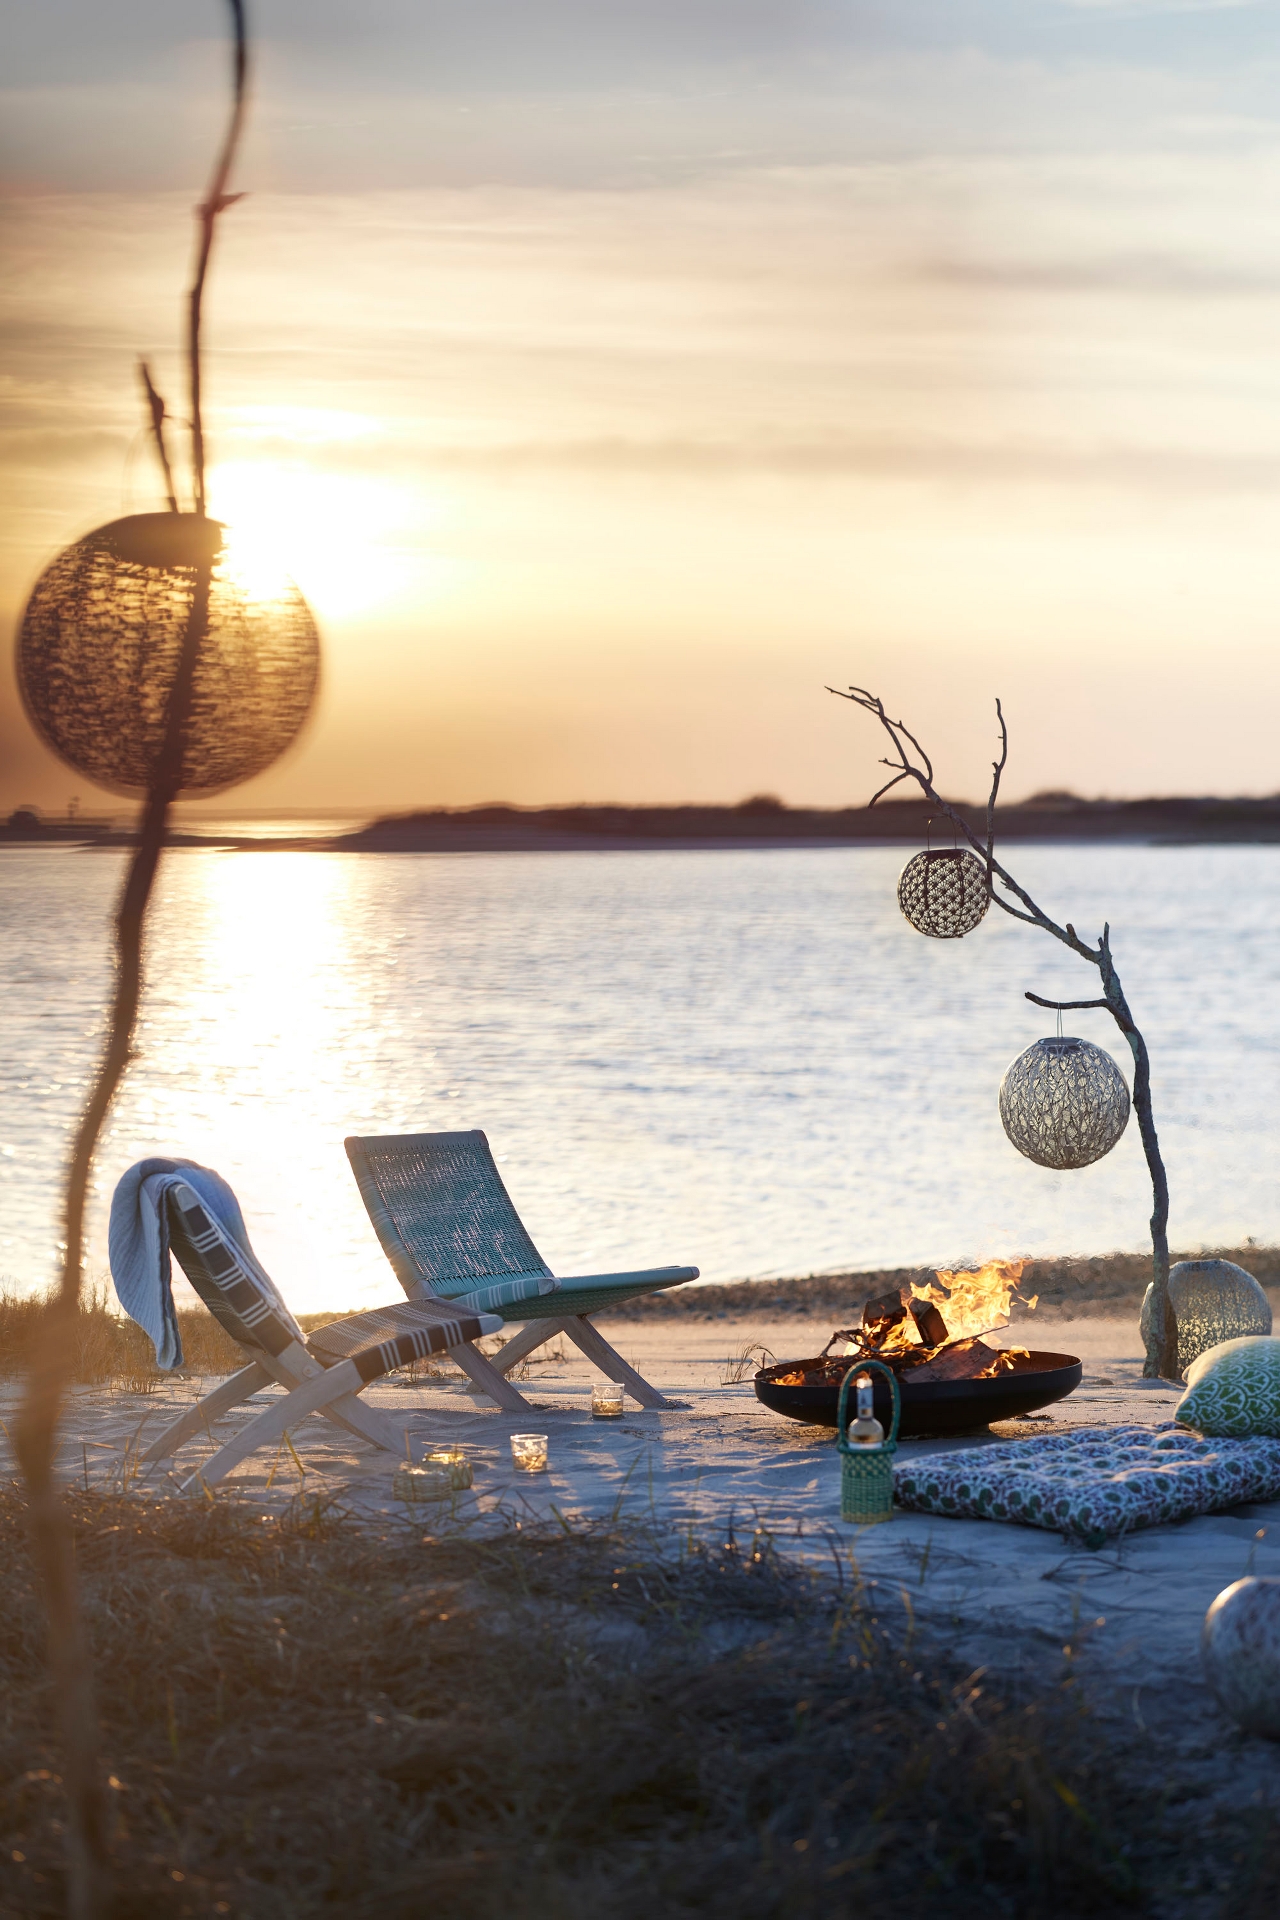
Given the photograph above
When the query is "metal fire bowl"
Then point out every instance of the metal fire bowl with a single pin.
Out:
(929, 1407)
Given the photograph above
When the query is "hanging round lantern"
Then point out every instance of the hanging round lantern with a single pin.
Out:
(1064, 1102)
(100, 643)
(1213, 1300)
(944, 893)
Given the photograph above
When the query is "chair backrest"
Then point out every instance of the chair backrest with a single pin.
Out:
(224, 1280)
(438, 1205)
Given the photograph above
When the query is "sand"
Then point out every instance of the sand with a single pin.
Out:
(1125, 1620)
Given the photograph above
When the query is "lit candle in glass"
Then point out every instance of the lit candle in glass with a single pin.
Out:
(529, 1452)
(606, 1400)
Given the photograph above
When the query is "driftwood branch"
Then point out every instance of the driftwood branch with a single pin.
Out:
(53, 1348)
(1162, 1342)
(156, 409)
(216, 201)
(1065, 1006)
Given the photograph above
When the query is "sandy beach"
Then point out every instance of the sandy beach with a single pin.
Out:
(1125, 1621)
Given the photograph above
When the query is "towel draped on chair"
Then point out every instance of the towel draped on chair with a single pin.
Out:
(138, 1246)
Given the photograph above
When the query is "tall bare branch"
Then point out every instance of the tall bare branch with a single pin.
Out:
(53, 1348)
(1162, 1341)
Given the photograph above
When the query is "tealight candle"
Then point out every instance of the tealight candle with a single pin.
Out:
(428, 1481)
(606, 1400)
(529, 1452)
(454, 1462)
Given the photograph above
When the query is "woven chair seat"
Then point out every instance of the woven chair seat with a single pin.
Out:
(390, 1337)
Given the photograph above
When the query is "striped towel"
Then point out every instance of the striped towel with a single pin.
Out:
(138, 1246)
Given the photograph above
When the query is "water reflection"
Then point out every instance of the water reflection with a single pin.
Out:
(744, 1059)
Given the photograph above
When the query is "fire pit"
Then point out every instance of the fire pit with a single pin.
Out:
(949, 1379)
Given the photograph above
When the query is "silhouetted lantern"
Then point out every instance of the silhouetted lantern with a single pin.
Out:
(1214, 1300)
(944, 893)
(100, 642)
(1064, 1102)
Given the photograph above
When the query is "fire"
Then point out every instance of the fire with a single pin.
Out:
(973, 1303)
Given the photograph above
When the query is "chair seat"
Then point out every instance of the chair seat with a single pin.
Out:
(590, 1293)
(408, 1330)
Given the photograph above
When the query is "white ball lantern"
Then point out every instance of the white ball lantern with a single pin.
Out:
(1240, 1649)
(1064, 1102)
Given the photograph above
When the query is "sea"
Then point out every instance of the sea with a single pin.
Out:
(743, 1060)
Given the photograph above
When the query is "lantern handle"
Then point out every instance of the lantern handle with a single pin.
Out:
(842, 1417)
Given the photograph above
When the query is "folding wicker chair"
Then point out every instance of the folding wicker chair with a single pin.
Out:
(449, 1228)
(324, 1373)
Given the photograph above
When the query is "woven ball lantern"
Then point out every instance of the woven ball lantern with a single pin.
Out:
(1213, 1300)
(1064, 1102)
(944, 893)
(100, 643)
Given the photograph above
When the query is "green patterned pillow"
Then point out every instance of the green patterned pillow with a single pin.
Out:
(1234, 1390)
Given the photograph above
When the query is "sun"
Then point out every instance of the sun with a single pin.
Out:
(345, 539)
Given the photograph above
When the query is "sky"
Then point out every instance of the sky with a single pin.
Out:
(612, 378)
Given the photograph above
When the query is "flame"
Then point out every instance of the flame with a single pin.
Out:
(1004, 1360)
(973, 1302)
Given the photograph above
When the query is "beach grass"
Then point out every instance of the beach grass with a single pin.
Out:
(304, 1716)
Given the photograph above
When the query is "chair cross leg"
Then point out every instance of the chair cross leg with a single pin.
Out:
(488, 1378)
(611, 1364)
(336, 1387)
(241, 1386)
(531, 1335)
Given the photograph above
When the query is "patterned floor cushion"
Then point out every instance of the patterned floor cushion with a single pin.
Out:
(1093, 1483)
(1234, 1389)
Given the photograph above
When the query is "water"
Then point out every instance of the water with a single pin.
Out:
(745, 1060)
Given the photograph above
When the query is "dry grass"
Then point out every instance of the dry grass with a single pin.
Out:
(304, 1717)
(112, 1351)
(110, 1348)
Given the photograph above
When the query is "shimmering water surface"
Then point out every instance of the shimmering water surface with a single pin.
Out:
(746, 1060)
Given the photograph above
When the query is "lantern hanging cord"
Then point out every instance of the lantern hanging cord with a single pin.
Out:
(216, 201)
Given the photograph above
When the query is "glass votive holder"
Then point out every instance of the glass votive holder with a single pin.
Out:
(454, 1462)
(606, 1400)
(417, 1482)
(529, 1452)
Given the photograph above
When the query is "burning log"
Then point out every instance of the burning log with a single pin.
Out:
(930, 1324)
(882, 1317)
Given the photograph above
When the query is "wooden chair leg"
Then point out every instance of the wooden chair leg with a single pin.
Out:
(230, 1394)
(488, 1379)
(531, 1336)
(611, 1363)
(309, 1396)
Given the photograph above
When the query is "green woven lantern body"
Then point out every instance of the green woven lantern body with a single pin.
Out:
(866, 1473)
(99, 648)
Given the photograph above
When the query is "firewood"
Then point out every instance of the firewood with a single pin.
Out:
(881, 1315)
(962, 1360)
(930, 1324)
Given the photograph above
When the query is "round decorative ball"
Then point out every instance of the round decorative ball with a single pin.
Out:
(1214, 1300)
(944, 893)
(1064, 1103)
(1240, 1649)
(100, 642)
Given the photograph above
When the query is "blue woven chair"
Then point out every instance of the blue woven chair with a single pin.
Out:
(323, 1373)
(451, 1232)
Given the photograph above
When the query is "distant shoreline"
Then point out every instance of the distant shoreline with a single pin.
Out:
(754, 825)
(1103, 1285)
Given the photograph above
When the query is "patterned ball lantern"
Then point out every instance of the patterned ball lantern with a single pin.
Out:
(944, 893)
(1064, 1102)
(1214, 1300)
(100, 643)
